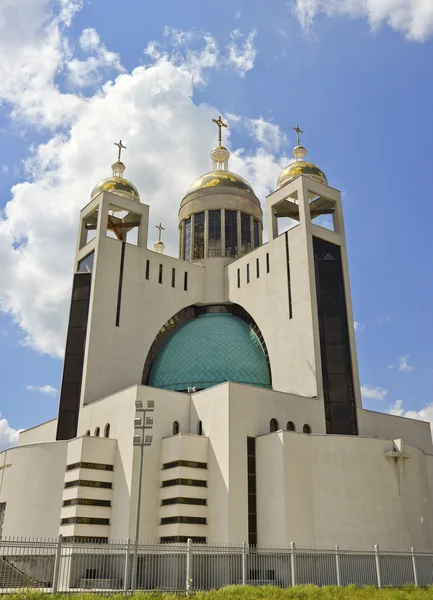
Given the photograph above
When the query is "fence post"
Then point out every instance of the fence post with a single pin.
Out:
(337, 565)
(415, 572)
(293, 563)
(188, 565)
(244, 563)
(127, 562)
(378, 570)
(57, 560)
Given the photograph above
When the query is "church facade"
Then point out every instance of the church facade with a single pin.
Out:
(219, 389)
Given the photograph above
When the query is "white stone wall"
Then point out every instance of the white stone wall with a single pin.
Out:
(326, 490)
(31, 484)
(45, 432)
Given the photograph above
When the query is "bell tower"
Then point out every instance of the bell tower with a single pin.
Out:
(317, 265)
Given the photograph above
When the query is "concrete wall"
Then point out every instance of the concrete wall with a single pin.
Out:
(45, 432)
(326, 490)
(382, 425)
(31, 484)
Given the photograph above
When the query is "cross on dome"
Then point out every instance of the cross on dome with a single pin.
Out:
(160, 230)
(298, 132)
(121, 147)
(220, 155)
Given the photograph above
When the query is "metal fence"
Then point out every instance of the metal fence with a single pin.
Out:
(53, 565)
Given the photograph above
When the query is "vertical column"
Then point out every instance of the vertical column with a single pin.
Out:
(191, 254)
(206, 233)
(181, 238)
(415, 572)
(293, 563)
(252, 231)
(188, 566)
(337, 565)
(223, 232)
(238, 223)
(378, 569)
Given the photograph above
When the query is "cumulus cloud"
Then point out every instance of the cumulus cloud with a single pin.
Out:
(90, 71)
(403, 364)
(42, 389)
(151, 108)
(370, 391)
(413, 18)
(242, 52)
(8, 435)
(425, 414)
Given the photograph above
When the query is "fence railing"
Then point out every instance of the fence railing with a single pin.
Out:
(54, 565)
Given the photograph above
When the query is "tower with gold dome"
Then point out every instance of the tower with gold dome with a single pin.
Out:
(243, 347)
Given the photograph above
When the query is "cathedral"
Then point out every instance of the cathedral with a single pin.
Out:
(216, 396)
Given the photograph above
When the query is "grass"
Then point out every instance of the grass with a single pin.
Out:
(234, 592)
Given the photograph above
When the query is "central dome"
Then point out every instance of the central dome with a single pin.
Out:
(209, 350)
(220, 178)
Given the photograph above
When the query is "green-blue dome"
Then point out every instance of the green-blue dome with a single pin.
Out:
(210, 350)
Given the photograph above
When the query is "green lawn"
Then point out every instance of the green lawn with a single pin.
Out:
(309, 592)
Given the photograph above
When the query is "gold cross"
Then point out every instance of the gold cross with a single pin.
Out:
(219, 124)
(298, 131)
(120, 146)
(160, 230)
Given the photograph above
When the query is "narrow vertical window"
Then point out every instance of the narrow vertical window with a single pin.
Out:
(187, 242)
(160, 274)
(252, 500)
(198, 235)
(147, 269)
(273, 425)
(231, 232)
(185, 281)
(245, 233)
(175, 427)
(199, 428)
(289, 283)
(119, 289)
(248, 273)
(214, 242)
(107, 430)
(173, 278)
(267, 262)
(256, 233)
(257, 268)
(239, 278)
(97, 432)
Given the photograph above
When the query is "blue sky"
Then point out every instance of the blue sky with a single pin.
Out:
(75, 76)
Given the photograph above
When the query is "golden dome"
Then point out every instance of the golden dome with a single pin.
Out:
(220, 178)
(301, 167)
(117, 185)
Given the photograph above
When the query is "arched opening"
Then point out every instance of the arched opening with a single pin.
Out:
(306, 428)
(97, 431)
(175, 427)
(199, 428)
(190, 313)
(87, 432)
(273, 425)
(291, 426)
(107, 430)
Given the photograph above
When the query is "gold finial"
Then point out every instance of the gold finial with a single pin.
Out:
(121, 147)
(160, 230)
(298, 132)
(219, 122)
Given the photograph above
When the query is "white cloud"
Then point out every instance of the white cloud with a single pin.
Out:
(89, 72)
(359, 326)
(42, 389)
(425, 414)
(369, 391)
(8, 436)
(168, 138)
(242, 52)
(5, 170)
(413, 18)
(383, 319)
(267, 134)
(403, 364)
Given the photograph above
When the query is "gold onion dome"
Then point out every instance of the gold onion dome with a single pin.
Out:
(220, 178)
(117, 184)
(300, 166)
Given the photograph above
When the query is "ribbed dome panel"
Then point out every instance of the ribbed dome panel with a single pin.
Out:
(210, 350)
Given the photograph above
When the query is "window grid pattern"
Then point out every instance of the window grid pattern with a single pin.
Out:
(187, 244)
(182, 481)
(252, 500)
(198, 236)
(214, 243)
(184, 463)
(195, 501)
(256, 233)
(231, 233)
(245, 233)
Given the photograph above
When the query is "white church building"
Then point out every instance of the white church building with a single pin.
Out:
(243, 354)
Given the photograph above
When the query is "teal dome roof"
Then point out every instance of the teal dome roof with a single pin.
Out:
(209, 350)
